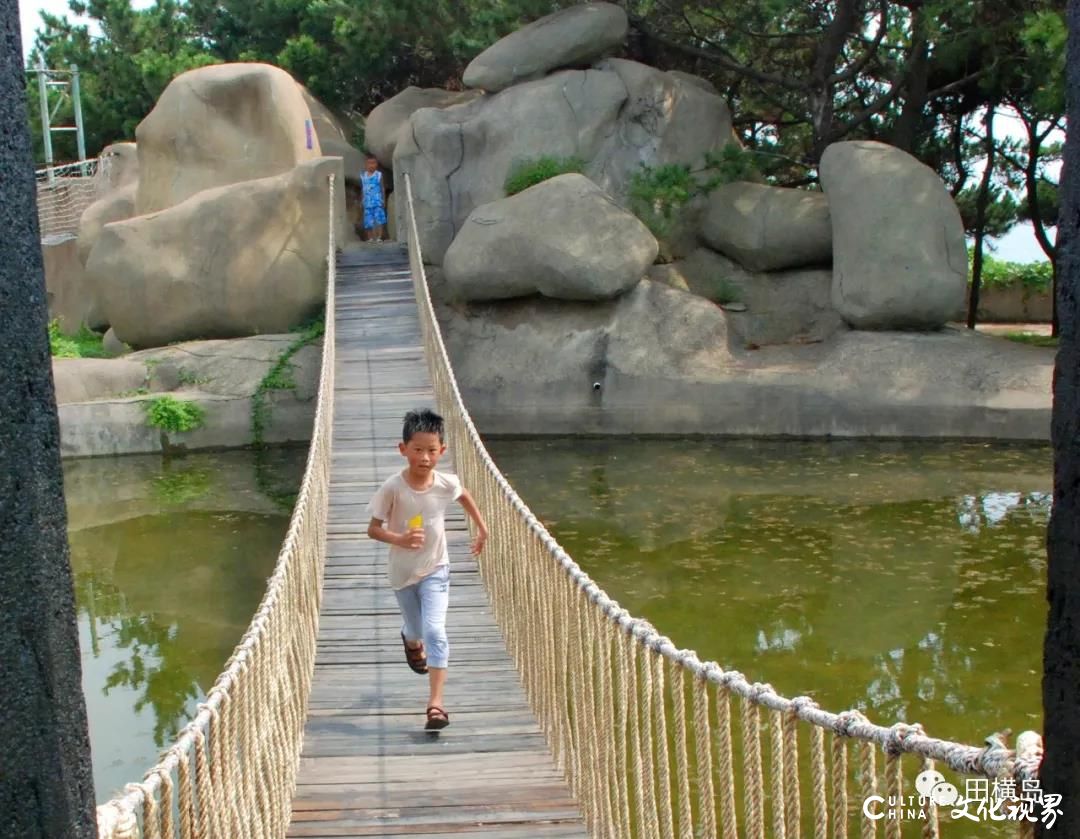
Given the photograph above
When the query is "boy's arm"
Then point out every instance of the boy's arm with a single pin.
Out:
(413, 539)
(466, 501)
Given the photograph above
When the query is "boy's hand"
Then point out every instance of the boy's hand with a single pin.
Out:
(413, 539)
(479, 542)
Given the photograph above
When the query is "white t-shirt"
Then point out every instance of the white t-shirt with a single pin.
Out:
(397, 505)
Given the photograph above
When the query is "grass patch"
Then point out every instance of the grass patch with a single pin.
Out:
(83, 344)
(1032, 339)
(174, 415)
(188, 377)
(280, 377)
(531, 172)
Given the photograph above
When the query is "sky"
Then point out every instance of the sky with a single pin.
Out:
(1018, 245)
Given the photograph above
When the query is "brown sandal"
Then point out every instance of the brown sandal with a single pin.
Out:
(416, 658)
(437, 718)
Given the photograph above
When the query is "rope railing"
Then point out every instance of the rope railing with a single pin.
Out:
(653, 741)
(231, 773)
(64, 192)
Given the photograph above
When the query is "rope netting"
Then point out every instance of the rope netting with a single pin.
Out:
(64, 192)
(653, 741)
(231, 773)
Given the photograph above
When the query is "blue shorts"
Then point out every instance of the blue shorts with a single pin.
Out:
(374, 216)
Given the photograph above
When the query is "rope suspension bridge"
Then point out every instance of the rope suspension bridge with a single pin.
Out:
(572, 717)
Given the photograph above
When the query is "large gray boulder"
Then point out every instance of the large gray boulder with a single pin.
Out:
(388, 118)
(766, 228)
(220, 125)
(899, 257)
(119, 165)
(459, 157)
(568, 38)
(773, 307)
(227, 262)
(117, 205)
(563, 238)
(668, 118)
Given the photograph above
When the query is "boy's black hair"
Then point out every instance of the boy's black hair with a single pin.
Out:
(369, 156)
(420, 421)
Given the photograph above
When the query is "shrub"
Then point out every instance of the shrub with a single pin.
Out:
(657, 193)
(531, 172)
(174, 415)
(1031, 276)
(83, 344)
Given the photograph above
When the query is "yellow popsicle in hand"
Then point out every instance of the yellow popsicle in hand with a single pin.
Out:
(415, 522)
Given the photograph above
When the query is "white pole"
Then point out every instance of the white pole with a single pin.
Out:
(76, 100)
(46, 130)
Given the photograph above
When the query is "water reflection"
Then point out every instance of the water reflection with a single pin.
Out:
(902, 579)
(169, 559)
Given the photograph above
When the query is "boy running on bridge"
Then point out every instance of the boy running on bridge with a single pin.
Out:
(407, 512)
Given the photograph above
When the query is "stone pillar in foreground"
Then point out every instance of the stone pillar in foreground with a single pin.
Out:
(1061, 653)
(46, 785)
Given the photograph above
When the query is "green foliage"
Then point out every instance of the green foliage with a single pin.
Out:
(1031, 276)
(173, 415)
(732, 163)
(280, 377)
(187, 377)
(531, 172)
(657, 193)
(83, 344)
(1002, 210)
(1032, 339)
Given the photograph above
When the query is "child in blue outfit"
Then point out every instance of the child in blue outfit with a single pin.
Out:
(408, 513)
(374, 190)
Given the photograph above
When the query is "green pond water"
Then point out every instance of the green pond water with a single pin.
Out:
(902, 579)
(170, 560)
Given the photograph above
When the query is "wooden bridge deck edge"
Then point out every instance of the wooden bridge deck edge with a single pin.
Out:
(367, 767)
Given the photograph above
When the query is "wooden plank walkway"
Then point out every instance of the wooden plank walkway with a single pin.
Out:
(368, 768)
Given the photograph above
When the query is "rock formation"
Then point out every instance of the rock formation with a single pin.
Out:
(217, 222)
(563, 238)
(899, 256)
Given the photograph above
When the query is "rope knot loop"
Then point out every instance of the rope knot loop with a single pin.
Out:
(711, 672)
(899, 738)
(801, 704)
(759, 690)
(847, 722)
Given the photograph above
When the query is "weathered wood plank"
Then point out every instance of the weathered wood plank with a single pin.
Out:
(368, 768)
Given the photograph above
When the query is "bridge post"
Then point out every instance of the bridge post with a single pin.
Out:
(46, 786)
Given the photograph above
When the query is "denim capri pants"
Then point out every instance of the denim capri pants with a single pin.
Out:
(423, 609)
